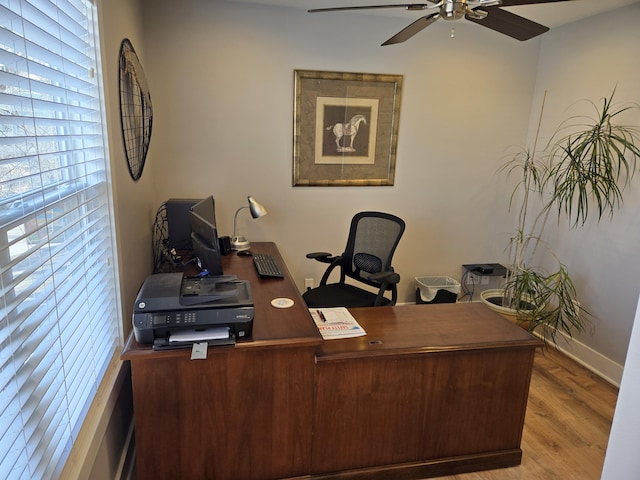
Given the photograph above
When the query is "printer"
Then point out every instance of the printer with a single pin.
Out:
(173, 311)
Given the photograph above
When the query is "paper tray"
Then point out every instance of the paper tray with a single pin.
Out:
(186, 338)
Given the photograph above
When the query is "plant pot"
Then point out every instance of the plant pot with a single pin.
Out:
(493, 298)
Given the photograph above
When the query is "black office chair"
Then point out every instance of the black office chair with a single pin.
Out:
(372, 241)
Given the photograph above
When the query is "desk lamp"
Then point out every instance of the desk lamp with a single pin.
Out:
(257, 211)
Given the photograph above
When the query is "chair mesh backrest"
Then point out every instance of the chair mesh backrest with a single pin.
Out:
(373, 239)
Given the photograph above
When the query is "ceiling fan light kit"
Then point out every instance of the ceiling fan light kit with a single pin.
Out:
(491, 16)
(454, 10)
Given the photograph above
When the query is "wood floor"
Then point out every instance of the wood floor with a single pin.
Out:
(567, 424)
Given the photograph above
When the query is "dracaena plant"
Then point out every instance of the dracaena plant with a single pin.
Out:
(580, 174)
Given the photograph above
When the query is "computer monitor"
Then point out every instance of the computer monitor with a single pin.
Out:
(204, 236)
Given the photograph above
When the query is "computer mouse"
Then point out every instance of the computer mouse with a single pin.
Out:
(245, 253)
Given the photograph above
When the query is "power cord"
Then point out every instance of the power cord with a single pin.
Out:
(164, 258)
(465, 289)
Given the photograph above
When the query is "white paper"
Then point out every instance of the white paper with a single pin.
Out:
(336, 322)
(216, 333)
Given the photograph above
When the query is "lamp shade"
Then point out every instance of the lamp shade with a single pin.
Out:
(257, 210)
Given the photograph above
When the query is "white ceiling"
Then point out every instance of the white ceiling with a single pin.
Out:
(550, 14)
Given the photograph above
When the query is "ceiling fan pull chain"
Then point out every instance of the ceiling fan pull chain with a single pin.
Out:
(453, 32)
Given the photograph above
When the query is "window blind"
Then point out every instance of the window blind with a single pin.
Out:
(60, 307)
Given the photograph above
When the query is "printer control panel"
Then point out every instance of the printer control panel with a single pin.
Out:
(151, 320)
(175, 318)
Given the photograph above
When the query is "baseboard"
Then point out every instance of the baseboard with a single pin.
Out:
(592, 360)
(127, 466)
(431, 468)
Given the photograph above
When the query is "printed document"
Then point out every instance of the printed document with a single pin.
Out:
(336, 322)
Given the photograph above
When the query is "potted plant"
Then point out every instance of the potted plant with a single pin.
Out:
(578, 175)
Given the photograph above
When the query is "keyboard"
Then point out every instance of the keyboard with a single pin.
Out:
(266, 265)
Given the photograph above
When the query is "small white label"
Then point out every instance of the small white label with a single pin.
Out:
(199, 351)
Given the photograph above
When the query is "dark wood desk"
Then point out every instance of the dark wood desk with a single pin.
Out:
(431, 390)
(243, 413)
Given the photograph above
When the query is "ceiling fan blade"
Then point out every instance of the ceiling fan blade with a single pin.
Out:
(416, 27)
(510, 24)
(473, 4)
(406, 6)
(513, 3)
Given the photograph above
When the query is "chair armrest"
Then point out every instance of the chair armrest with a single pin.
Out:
(385, 277)
(324, 257)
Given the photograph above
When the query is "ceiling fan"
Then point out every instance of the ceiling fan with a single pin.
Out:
(490, 16)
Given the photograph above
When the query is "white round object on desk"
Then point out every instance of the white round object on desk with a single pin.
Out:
(282, 302)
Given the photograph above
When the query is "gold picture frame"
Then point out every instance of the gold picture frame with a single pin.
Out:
(345, 128)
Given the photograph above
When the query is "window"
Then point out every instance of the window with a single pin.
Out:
(60, 307)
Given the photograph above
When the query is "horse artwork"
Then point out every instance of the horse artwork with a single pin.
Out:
(350, 129)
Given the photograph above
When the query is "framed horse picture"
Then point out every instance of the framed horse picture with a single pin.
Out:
(345, 128)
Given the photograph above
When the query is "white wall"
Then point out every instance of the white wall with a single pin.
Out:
(134, 202)
(222, 81)
(622, 461)
(588, 60)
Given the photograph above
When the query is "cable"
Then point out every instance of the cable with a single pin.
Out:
(467, 292)
(160, 238)
(165, 259)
